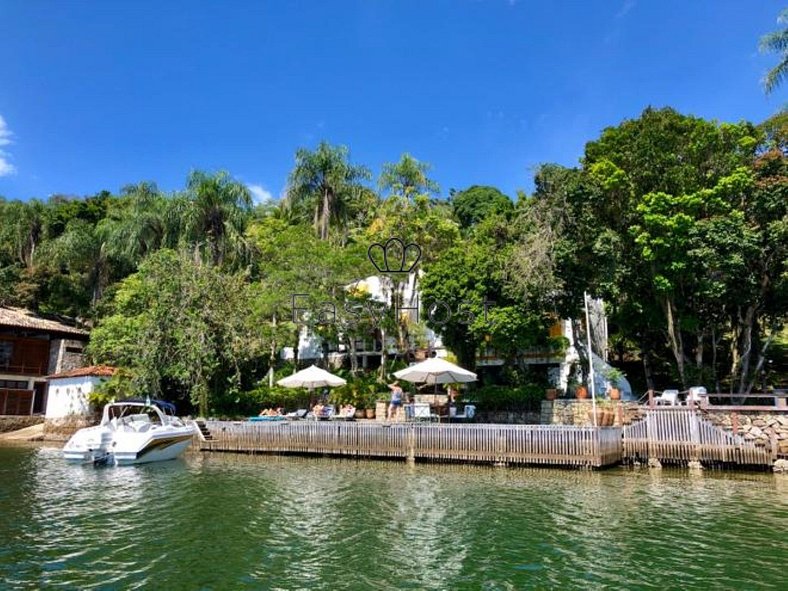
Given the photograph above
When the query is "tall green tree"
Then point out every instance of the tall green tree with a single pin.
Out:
(325, 185)
(407, 178)
(214, 212)
(137, 223)
(477, 203)
(182, 324)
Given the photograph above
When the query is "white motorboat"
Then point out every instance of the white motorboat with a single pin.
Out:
(131, 432)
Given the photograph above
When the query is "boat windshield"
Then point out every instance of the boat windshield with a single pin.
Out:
(132, 413)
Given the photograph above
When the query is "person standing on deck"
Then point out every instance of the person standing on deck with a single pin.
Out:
(396, 399)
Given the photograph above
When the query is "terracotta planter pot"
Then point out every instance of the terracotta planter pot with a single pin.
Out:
(370, 413)
(551, 394)
(615, 394)
(604, 417)
(359, 413)
(581, 392)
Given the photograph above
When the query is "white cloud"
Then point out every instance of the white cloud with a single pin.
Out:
(259, 194)
(5, 133)
(6, 167)
(625, 8)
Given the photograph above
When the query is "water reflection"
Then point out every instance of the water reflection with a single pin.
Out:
(233, 521)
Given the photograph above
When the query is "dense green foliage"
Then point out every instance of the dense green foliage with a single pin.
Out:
(679, 223)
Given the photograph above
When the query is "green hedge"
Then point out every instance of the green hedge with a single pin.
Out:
(507, 398)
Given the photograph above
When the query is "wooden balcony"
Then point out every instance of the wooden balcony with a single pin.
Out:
(24, 356)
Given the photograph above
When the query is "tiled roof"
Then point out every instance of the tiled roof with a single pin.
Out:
(21, 318)
(99, 371)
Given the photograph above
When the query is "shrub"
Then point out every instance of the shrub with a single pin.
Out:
(508, 398)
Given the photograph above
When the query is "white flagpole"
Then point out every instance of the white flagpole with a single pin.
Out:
(590, 358)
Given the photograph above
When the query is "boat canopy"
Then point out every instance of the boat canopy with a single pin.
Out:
(167, 407)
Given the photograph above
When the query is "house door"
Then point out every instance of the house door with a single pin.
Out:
(40, 402)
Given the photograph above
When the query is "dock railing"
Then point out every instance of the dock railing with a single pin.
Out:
(681, 434)
(557, 445)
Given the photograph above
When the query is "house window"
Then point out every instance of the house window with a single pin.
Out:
(6, 351)
(73, 349)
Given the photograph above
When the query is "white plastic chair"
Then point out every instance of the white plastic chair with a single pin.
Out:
(421, 411)
(695, 394)
(668, 398)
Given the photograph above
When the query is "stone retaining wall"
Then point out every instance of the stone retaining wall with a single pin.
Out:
(508, 418)
(578, 412)
(14, 423)
(63, 428)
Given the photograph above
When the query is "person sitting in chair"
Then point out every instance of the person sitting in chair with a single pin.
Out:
(396, 399)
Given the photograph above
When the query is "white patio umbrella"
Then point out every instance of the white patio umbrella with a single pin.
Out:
(311, 377)
(435, 371)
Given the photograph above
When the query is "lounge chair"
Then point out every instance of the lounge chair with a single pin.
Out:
(349, 414)
(326, 413)
(266, 418)
(467, 413)
(296, 415)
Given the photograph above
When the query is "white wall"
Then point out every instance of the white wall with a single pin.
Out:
(69, 396)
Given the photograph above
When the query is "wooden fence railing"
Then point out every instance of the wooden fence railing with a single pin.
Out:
(511, 444)
(682, 435)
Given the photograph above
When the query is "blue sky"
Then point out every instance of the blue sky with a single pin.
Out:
(95, 95)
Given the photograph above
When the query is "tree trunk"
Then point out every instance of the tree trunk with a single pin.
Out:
(699, 351)
(648, 371)
(383, 354)
(325, 214)
(295, 349)
(580, 347)
(674, 338)
(715, 342)
(761, 360)
(743, 346)
(272, 355)
(353, 356)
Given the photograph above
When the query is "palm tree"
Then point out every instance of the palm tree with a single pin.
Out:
(137, 224)
(407, 178)
(324, 183)
(22, 230)
(776, 42)
(82, 250)
(216, 209)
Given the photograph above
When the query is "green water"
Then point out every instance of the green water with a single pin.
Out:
(241, 522)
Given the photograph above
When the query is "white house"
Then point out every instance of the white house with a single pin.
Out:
(68, 392)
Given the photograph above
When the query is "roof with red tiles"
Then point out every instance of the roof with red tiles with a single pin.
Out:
(99, 371)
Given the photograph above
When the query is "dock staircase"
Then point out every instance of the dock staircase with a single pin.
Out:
(203, 431)
(682, 435)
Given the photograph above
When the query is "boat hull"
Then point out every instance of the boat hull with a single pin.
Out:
(156, 449)
(99, 446)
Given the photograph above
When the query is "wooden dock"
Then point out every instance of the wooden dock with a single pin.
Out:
(682, 435)
(555, 445)
(668, 435)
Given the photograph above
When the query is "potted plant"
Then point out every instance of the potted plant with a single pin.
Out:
(370, 398)
(614, 376)
(551, 394)
(581, 392)
(605, 415)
